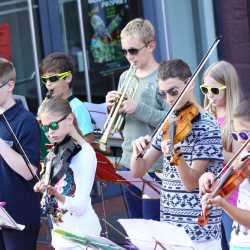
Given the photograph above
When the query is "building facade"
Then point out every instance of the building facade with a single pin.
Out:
(89, 31)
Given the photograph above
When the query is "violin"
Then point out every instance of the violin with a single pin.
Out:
(63, 151)
(56, 164)
(228, 182)
(178, 130)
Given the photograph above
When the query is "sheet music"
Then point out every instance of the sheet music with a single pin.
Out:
(150, 190)
(145, 233)
(6, 221)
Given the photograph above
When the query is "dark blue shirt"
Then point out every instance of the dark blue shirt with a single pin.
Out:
(22, 202)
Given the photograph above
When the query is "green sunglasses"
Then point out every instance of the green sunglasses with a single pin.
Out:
(53, 125)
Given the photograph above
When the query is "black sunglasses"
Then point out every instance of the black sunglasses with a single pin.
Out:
(173, 92)
(55, 77)
(242, 135)
(132, 51)
(53, 125)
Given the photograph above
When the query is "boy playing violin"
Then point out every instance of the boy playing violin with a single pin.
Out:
(16, 180)
(240, 236)
(198, 151)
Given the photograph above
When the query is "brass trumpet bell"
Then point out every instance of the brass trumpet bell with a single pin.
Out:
(115, 119)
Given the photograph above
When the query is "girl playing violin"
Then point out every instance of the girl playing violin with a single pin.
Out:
(72, 191)
(198, 151)
(221, 89)
(240, 236)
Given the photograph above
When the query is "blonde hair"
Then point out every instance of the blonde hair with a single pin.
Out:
(7, 70)
(54, 105)
(225, 73)
(242, 110)
(139, 27)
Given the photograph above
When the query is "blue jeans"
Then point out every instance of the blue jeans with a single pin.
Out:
(138, 207)
(227, 223)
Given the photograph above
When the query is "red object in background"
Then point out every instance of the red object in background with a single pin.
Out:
(5, 41)
(105, 170)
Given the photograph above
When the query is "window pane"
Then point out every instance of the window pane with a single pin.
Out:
(15, 45)
(103, 21)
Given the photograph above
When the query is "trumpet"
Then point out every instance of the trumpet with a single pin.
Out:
(115, 119)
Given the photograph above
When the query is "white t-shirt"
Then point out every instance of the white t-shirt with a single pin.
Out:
(76, 185)
(240, 235)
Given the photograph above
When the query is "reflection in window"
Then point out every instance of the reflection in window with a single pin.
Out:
(103, 21)
(15, 27)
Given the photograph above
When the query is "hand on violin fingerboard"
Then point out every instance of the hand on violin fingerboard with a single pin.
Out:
(165, 147)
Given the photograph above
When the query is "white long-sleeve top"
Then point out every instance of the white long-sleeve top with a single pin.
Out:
(240, 236)
(76, 186)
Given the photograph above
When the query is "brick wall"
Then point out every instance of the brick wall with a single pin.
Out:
(233, 23)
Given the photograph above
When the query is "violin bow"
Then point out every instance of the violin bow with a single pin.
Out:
(186, 88)
(228, 167)
(25, 157)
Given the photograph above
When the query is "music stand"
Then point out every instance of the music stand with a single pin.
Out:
(96, 242)
(150, 234)
(6, 221)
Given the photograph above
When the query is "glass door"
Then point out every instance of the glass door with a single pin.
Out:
(16, 44)
(102, 22)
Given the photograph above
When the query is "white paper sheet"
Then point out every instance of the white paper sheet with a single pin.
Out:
(145, 233)
(7, 221)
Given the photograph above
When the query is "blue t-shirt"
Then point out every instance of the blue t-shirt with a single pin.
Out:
(22, 203)
(178, 206)
(82, 115)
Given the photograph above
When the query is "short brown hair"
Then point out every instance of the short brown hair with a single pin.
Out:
(242, 110)
(141, 28)
(7, 70)
(57, 62)
(174, 68)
